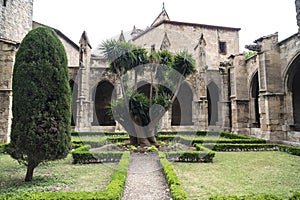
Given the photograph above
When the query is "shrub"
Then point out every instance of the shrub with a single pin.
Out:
(177, 192)
(41, 101)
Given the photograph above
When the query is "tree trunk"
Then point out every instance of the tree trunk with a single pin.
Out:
(29, 173)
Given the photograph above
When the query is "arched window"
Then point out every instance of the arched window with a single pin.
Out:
(255, 101)
(213, 99)
(74, 90)
(296, 100)
(103, 95)
(182, 108)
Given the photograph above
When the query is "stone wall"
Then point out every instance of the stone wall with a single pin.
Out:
(7, 56)
(15, 19)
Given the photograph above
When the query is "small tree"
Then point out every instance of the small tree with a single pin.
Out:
(41, 101)
(140, 113)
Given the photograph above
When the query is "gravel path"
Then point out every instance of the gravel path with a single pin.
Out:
(145, 180)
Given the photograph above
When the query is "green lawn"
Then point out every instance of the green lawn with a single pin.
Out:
(59, 175)
(241, 173)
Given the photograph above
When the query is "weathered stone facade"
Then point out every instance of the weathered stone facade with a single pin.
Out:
(258, 96)
(15, 22)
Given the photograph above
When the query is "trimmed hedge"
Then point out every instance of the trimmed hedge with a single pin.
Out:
(114, 190)
(250, 147)
(82, 156)
(200, 140)
(82, 134)
(176, 190)
(203, 133)
(191, 156)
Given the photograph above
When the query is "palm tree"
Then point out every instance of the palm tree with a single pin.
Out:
(138, 113)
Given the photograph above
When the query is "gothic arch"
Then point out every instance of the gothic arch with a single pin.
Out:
(213, 99)
(292, 83)
(104, 93)
(74, 91)
(182, 108)
(254, 101)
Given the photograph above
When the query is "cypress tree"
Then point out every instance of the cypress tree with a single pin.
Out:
(41, 101)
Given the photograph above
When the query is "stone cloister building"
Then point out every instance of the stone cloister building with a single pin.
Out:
(258, 96)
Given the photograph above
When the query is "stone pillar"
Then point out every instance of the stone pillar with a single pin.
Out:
(225, 101)
(201, 105)
(7, 56)
(84, 107)
(239, 96)
(271, 89)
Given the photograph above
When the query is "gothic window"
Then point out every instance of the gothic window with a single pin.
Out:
(222, 47)
(4, 2)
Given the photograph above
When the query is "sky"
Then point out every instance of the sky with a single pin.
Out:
(104, 19)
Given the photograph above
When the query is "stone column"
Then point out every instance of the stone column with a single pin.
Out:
(271, 89)
(84, 107)
(225, 89)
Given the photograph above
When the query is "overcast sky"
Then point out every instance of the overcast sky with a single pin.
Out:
(103, 19)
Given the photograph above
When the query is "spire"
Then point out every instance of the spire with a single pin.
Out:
(121, 37)
(84, 39)
(163, 16)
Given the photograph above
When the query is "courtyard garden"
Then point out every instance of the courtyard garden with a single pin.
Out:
(196, 165)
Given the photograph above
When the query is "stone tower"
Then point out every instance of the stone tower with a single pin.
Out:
(15, 23)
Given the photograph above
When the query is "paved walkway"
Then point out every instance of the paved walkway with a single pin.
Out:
(145, 180)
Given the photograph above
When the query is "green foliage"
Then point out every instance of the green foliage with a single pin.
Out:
(4, 148)
(184, 63)
(41, 100)
(152, 149)
(82, 155)
(249, 54)
(191, 156)
(175, 186)
(113, 191)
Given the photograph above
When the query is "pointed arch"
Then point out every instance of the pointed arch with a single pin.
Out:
(293, 89)
(254, 101)
(182, 108)
(104, 93)
(74, 91)
(213, 100)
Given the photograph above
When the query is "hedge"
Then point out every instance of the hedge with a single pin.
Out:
(113, 191)
(82, 134)
(203, 133)
(250, 147)
(191, 156)
(176, 190)
(82, 156)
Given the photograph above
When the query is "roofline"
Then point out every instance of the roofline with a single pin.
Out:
(187, 24)
(286, 39)
(60, 34)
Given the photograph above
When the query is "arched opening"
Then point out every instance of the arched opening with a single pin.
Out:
(296, 99)
(103, 95)
(182, 108)
(255, 100)
(74, 91)
(213, 99)
(144, 87)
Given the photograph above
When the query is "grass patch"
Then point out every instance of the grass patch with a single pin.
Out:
(241, 173)
(53, 176)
